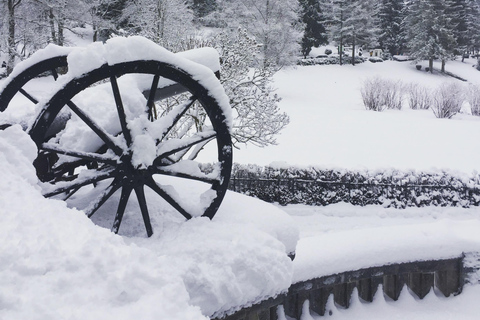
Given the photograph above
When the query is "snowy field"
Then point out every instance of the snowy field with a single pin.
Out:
(56, 264)
(330, 127)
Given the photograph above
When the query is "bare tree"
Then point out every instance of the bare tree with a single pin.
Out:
(165, 22)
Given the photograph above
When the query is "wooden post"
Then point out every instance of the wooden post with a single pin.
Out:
(273, 313)
(342, 293)
(392, 285)
(367, 288)
(449, 281)
(318, 300)
(294, 304)
(420, 283)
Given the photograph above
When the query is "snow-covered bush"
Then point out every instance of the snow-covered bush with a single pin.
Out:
(473, 97)
(372, 94)
(419, 97)
(379, 94)
(447, 100)
(375, 59)
(329, 60)
(392, 92)
(390, 188)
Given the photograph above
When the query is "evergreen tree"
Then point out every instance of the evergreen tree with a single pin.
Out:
(313, 20)
(430, 32)
(202, 8)
(352, 23)
(472, 20)
(390, 17)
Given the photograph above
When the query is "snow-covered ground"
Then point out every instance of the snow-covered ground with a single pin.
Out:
(56, 264)
(330, 127)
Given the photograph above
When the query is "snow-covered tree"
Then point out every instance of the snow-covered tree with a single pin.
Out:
(257, 118)
(429, 31)
(165, 22)
(314, 30)
(472, 20)
(352, 23)
(9, 26)
(390, 23)
(273, 23)
(201, 8)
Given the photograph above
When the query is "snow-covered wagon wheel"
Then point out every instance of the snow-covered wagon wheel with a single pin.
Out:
(18, 86)
(129, 131)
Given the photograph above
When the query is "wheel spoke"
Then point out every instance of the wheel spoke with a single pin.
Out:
(173, 116)
(77, 183)
(96, 128)
(143, 207)
(78, 154)
(71, 193)
(162, 193)
(120, 110)
(173, 146)
(152, 111)
(28, 96)
(175, 173)
(198, 148)
(102, 198)
(126, 191)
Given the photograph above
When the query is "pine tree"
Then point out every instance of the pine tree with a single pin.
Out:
(313, 20)
(352, 22)
(390, 23)
(472, 20)
(429, 31)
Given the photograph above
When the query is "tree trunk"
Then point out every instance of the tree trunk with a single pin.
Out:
(353, 51)
(430, 64)
(51, 19)
(11, 4)
(340, 49)
(61, 37)
(443, 65)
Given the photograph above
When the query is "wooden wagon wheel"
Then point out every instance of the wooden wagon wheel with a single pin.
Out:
(113, 160)
(18, 83)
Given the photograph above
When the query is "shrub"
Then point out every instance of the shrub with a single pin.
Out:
(419, 97)
(372, 94)
(473, 97)
(418, 66)
(375, 59)
(427, 69)
(447, 100)
(392, 94)
(379, 94)
(328, 51)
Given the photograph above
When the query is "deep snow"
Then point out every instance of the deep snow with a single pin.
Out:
(56, 264)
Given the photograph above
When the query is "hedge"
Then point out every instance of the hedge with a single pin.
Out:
(390, 188)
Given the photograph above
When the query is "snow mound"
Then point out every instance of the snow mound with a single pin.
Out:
(349, 250)
(56, 264)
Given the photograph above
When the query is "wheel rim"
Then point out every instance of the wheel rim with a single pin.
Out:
(17, 85)
(112, 160)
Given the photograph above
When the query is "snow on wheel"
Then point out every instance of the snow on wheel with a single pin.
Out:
(132, 133)
(47, 62)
